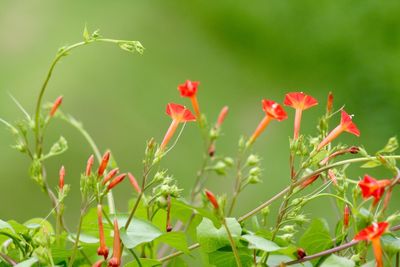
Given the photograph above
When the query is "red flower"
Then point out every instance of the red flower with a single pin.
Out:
(300, 102)
(372, 187)
(346, 216)
(373, 234)
(55, 106)
(115, 261)
(332, 176)
(61, 180)
(189, 89)
(116, 181)
(179, 114)
(89, 165)
(309, 181)
(346, 125)
(98, 263)
(212, 199)
(273, 111)
(104, 163)
(134, 183)
(110, 175)
(103, 249)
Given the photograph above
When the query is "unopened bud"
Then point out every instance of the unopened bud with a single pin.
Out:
(61, 180)
(104, 163)
(116, 181)
(56, 105)
(89, 165)
(134, 183)
(253, 160)
(222, 116)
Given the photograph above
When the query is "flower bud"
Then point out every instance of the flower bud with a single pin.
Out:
(116, 181)
(56, 105)
(61, 180)
(213, 200)
(89, 165)
(220, 168)
(134, 183)
(252, 160)
(103, 164)
(255, 171)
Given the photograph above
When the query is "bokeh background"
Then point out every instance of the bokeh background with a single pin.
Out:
(240, 51)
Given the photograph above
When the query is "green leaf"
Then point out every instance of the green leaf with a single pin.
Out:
(27, 263)
(316, 238)
(369, 264)
(391, 244)
(39, 222)
(391, 146)
(225, 258)
(371, 164)
(86, 35)
(336, 261)
(5, 225)
(84, 238)
(258, 242)
(144, 262)
(176, 240)
(139, 232)
(211, 238)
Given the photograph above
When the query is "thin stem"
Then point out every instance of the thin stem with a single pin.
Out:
(134, 210)
(78, 233)
(238, 182)
(233, 245)
(178, 253)
(8, 259)
(136, 257)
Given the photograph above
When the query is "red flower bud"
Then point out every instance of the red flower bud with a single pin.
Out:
(309, 181)
(346, 216)
(168, 225)
(98, 263)
(110, 175)
(301, 253)
(61, 180)
(56, 105)
(89, 165)
(103, 164)
(134, 183)
(222, 116)
(329, 104)
(212, 199)
(116, 181)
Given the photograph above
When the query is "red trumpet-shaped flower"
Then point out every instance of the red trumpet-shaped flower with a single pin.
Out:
(55, 106)
(110, 175)
(103, 249)
(211, 197)
(273, 111)
(61, 180)
(371, 187)
(189, 89)
(116, 181)
(134, 183)
(299, 101)
(104, 163)
(373, 233)
(89, 165)
(346, 125)
(115, 261)
(179, 114)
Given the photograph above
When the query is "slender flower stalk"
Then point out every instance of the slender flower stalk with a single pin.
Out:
(103, 164)
(89, 165)
(299, 101)
(134, 183)
(373, 233)
(103, 249)
(346, 125)
(371, 187)
(179, 114)
(61, 178)
(189, 89)
(110, 175)
(273, 111)
(215, 131)
(55, 106)
(115, 261)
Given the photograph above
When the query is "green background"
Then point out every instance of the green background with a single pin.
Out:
(240, 51)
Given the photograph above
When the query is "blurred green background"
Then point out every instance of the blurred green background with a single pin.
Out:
(241, 52)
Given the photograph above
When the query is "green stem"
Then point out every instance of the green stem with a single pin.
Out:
(136, 257)
(78, 233)
(233, 245)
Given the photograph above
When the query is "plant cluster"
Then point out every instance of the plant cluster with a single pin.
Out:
(161, 222)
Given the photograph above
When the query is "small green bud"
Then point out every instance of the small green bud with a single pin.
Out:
(356, 258)
(161, 202)
(255, 171)
(242, 143)
(159, 176)
(253, 179)
(252, 160)
(288, 229)
(297, 201)
(220, 168)
(229, 161)
(300, 219)
(214, 133)
(265, 211)
(287, 237)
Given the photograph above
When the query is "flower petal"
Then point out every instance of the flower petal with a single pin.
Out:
(274, 110)
(299, 100)
(348, 125)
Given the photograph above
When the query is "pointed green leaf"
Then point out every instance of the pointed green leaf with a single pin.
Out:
(336, 261)
(139, 232)
(258, 242)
